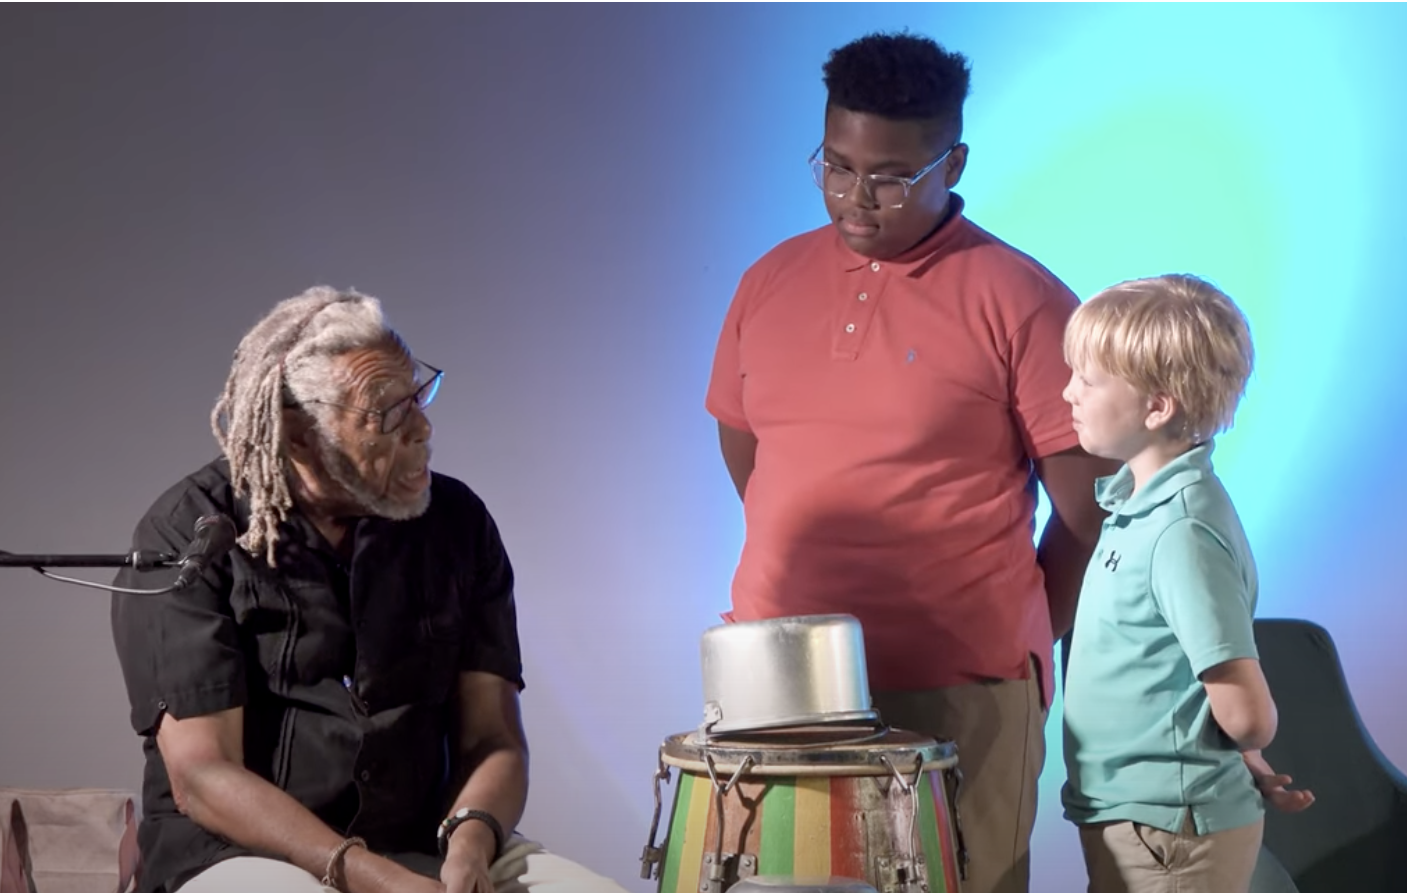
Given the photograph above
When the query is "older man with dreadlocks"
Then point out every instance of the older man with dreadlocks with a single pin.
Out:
(334, 704)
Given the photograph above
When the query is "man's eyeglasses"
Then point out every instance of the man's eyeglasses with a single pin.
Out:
(886, 190)
(395, 415)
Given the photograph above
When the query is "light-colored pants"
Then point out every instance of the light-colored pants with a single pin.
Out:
(1125, 857)
(999, 728)
(524, 867)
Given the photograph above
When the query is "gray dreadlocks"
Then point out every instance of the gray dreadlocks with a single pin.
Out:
(287, 355)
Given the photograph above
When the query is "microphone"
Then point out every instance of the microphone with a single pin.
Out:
(214, 536)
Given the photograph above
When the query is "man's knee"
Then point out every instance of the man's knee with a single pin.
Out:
(246, 873)
(526, 866)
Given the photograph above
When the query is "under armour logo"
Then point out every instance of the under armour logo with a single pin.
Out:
(1112, 562)
(913, 355)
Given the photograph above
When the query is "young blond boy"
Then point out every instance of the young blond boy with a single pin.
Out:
(1166, 708)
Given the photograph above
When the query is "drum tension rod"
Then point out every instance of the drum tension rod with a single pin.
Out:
(957, 824)
(913, 870)
(652, 855)
(718, 871)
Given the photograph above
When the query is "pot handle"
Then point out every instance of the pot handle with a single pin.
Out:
(713, 715)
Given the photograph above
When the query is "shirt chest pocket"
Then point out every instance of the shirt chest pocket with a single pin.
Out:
(419, 664)
(269, 619)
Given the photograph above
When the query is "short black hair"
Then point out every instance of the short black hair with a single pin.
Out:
(899, 76)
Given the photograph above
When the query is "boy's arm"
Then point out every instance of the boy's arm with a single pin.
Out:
(1241, 702)
(1272, 786)
(1201, 591)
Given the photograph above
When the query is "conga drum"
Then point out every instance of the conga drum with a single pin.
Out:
(874, 804)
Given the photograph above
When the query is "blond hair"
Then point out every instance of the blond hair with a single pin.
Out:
(286, 359)
(1176, 335)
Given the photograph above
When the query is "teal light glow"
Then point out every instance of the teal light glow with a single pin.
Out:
(1235, 143)
(1254, 145)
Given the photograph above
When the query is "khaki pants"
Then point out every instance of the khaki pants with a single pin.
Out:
(999, 728)
(524, 867)
(1125, 857)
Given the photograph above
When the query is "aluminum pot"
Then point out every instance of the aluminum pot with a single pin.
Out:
(790, 671)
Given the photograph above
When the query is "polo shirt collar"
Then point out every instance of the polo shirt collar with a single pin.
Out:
(1114, 493)
(942, 237)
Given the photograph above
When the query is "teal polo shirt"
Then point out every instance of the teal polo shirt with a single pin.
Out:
(1170, 592)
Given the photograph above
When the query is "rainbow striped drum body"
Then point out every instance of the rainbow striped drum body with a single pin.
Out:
(872, 804)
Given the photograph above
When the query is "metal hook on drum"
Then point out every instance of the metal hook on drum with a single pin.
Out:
(916, 856)
(957, 823)
(717, 871)
(651, 856)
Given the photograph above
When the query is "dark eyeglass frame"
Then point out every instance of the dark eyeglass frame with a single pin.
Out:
(400, 410)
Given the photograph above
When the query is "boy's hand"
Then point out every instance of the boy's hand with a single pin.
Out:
(1272, 785)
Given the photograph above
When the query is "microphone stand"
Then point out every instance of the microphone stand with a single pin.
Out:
(140, 559)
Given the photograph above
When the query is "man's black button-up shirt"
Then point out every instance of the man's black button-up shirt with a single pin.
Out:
(346, 671)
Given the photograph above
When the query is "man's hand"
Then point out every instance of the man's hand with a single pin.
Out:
(466, 874)
(1272, 785)
(492, 754)
(466, 868)
(205, 759)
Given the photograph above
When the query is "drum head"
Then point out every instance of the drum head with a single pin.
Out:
(815, 750)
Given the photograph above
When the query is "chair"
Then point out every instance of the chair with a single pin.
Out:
(1270, 876)
(1354, 838)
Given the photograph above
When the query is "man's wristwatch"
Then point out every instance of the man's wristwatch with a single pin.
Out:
(467, 815)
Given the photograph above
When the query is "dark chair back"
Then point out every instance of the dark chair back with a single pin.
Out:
(1354, 838)
(1270, 876)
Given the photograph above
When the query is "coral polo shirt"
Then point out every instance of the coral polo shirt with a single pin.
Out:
(897, 407)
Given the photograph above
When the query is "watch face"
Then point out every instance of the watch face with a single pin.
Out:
(460, 816)
(449, 824)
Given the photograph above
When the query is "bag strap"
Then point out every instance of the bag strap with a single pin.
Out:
(17, 867)
(129, 856)
(16, 872)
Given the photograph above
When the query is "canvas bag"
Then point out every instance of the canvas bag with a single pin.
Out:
(68, 841)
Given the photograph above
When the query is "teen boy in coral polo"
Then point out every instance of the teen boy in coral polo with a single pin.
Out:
(888, 392)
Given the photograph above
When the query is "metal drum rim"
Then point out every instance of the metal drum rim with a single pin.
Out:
(801, 719)
(779, 760)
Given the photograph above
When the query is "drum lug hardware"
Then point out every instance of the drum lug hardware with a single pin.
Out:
(957, 824)
(714, 873)
(901, 875)
(726, 871)
(747, 866)
(650, 859)
(652, 855)
(718, 862)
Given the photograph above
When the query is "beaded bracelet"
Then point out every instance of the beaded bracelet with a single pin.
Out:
(334, 862)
